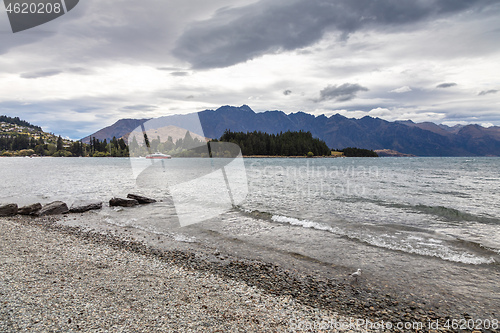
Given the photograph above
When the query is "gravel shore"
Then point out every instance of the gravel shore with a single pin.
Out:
(58, 279)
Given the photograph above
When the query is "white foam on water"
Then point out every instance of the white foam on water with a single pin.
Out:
(439, 251)
(184, 238)
(305, 224)
(414, 244)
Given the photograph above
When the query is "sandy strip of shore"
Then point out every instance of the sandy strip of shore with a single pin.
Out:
(54, 281)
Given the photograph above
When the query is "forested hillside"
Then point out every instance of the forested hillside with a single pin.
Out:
(282, 144)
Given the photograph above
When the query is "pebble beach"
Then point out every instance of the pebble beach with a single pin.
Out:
(55, 279)
(58, 278)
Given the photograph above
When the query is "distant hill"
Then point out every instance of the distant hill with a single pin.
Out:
(164, 132)
(20, 138)
(17, 121)
(406, 137)
(119, 129)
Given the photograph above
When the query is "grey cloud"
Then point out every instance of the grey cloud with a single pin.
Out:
(486, 92)
(287, 92)
(42, 73)
(235, 35)
(80, 70)
(342, 93)
(446, 85)
(140, 107)
(65, 117)
(179, 73)
(11, 40)
(97, 32)
(85, 109)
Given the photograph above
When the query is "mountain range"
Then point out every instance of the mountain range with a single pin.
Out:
(408, 137)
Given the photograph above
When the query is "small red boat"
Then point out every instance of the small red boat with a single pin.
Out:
(158, 156)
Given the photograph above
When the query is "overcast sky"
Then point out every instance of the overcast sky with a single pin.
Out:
(424, 60)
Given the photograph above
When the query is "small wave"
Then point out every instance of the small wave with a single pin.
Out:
(441, 252)
(411, 244)
(453, 214)
(447, 213)
(184, 238)
(253, 213)
(420, 244)
(305, 224)
(497, 251)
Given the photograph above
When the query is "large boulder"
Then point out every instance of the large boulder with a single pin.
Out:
(54, 208)
(83, 207)
(33, 209)
(140, 198)
(123, 202)
(8, 210)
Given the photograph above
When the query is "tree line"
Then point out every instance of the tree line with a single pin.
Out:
(24, 145)
(115, 148)
(282, 144)
(358, 152)
(251, 143)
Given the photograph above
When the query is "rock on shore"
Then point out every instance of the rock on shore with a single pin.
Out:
(141, 199)
(33, 209)
(123, 202)
(8, 210)
(54, 208)
(84, 207)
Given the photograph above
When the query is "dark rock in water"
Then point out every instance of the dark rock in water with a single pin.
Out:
(8, 210)
(123, 202)
(84, 207)
(140, 198)
(54, 208)
(33, 209)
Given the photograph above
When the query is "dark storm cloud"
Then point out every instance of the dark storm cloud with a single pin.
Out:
(287, 92)
(446, 85)
(100, 31)
(486, 92)
(342, 93)
(43, 73)
(236, 35)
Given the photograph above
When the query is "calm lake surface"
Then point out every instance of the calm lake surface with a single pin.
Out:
(423, 223)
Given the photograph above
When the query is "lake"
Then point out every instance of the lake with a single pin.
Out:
(423, 225)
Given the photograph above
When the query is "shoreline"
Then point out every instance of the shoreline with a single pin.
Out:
(278, 156)
(59, 278)
(349, 299)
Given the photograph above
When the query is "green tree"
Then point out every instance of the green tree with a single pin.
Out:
(51, 148)
(59, 143)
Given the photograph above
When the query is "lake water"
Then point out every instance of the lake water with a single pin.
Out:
(424, 224)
